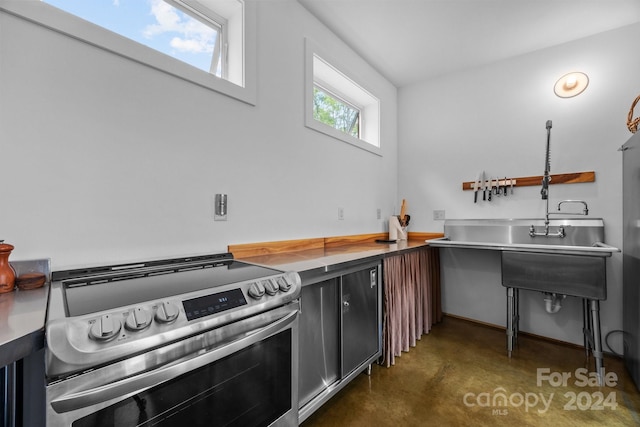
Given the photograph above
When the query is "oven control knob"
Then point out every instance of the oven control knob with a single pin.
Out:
(167, 312)
(270, 287)
(283, 284)
(256, 290)
(137, 319)
(105, 328)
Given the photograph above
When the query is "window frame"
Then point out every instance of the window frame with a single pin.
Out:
(209, 18)
(348, 89)
(244, 88)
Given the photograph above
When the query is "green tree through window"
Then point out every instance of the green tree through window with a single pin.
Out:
(336, 113)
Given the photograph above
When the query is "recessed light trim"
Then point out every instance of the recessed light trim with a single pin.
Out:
(571, 84)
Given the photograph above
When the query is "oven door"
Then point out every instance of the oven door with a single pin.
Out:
(237, 375)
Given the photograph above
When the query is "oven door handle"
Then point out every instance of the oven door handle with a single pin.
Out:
(146, 380)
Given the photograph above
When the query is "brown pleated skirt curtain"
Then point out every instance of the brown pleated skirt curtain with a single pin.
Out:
(411, 299)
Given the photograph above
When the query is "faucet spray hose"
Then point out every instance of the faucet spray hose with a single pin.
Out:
(547, 164)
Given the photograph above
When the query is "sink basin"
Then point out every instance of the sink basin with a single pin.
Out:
(571, 265)
(573, 275)
(583, 237)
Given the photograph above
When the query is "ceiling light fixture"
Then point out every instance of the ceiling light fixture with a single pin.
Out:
(570, 85)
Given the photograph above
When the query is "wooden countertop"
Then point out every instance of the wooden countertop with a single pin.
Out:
(309, 254)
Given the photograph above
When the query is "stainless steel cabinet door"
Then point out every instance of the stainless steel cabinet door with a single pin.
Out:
(631, 255)
(360, 322)
(319, 339)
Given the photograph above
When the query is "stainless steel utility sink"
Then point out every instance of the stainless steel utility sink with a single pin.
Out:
(582, 236)
(570, 260)
(570, 265)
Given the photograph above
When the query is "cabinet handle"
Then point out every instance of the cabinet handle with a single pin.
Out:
(373, 276)
(345, 303)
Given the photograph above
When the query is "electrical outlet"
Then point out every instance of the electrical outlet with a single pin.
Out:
(379, 213)
(438, 215)
(340, 213)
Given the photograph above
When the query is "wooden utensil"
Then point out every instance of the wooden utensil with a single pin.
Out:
(30, 281)
(403, 210)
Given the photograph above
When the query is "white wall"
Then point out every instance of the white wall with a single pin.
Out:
(106, 160)
(493, 119)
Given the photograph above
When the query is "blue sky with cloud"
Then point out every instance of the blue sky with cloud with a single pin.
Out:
(153, 23)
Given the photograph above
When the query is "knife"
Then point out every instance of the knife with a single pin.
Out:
(490, 188)
(476, 185)
(484, 187)
(505, 186)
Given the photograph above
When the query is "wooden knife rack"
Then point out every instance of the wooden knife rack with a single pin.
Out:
(528, 181)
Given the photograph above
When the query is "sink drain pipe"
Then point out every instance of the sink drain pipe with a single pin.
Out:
(552, 302)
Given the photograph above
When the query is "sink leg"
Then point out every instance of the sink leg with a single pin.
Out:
(512, 318)
(597, 340)
(587, 333)
(516, 296)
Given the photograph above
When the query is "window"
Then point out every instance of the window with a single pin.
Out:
(208, 42)
(338, 106)
(180, 32)
(331, 110)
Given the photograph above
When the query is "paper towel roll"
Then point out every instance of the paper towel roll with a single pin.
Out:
(396, 232)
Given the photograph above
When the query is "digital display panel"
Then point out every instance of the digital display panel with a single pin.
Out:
(214, 303)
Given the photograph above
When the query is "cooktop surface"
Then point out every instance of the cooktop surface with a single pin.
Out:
(105, 292)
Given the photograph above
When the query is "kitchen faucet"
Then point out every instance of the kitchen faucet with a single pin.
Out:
(585, 211)
(545, 192)
(545, 196)
(561, 232)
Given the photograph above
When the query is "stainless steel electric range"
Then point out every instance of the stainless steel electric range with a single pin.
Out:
(196, 341)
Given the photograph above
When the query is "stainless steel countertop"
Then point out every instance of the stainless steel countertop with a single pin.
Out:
(581, 236)
(22, 317)
(598, 249)
(23, 314)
